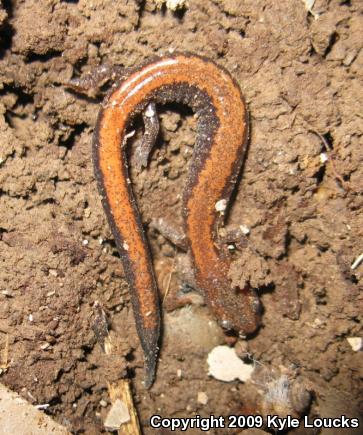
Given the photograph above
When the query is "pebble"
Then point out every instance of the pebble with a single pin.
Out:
(356, 343)
(225, 365)
(202, 398)
(117, 415)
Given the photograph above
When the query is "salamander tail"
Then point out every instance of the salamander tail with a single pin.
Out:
(150, 344)
(150, 369)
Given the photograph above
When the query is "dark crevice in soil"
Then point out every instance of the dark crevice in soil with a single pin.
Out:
(328, 140)
(23, 99)
(35, 57)
(346, 177)
(130, 356)
(6, 31)
(268, 288)
(319, 175)
(70, 141)
(179, 14)
(48, 201)
(287, 244)
(2, 231)
(333, 39)
(130, 373)
(25, 197)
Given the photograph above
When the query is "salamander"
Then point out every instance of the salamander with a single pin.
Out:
(222, 133)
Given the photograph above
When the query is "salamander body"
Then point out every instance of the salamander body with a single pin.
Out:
(222, 132)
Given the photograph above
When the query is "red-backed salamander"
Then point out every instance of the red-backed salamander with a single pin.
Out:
(222, 132)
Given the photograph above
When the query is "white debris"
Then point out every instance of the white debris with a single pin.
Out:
(132, 133)
(225, 365)
(309, 4)
(221, 205)
(43, 406)
(277, 394)
(103, 403)
(85, 242)
(356, 343)
(323, 158)
(357, 262)
(30, 318)
(245, 230)
(172, 5)
(149, 112)
(202, 398)
(125, 246)
(317, 323)
(117, 415)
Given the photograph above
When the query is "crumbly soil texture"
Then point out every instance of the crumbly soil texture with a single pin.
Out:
(299, 202)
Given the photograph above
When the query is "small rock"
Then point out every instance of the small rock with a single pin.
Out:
(191, 331)
(117, 415)
(202, 398)
(245, 230)
(322, 35)
(225, 365)
(356, 343)
(50, 339)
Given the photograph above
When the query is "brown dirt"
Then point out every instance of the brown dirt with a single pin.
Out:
(302, 79)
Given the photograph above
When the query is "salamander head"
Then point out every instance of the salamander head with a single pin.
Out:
(242, 311)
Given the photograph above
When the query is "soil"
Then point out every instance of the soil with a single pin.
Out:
(300, 196)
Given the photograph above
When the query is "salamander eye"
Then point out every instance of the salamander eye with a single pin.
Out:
(226, 324)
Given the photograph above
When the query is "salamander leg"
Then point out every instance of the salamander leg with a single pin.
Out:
(170, 232)
(144, 147)
(183, 262)
(90, 83)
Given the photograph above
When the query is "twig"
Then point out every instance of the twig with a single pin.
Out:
(121, 391)
(357, 262)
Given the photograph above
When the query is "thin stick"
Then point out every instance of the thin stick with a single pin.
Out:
(121, 390)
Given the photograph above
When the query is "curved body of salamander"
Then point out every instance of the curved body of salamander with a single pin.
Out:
(220, 143)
